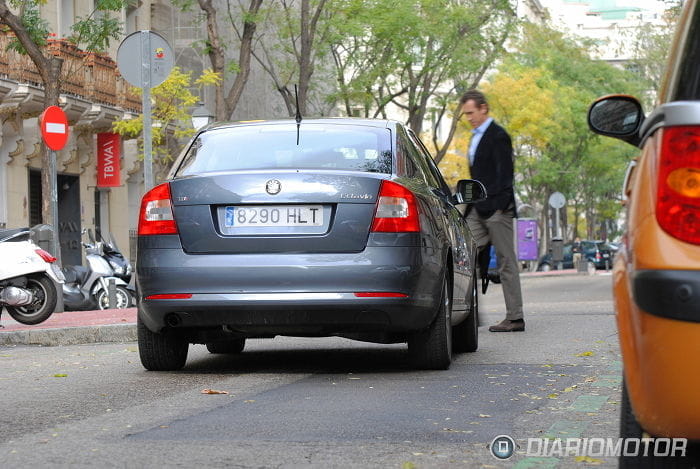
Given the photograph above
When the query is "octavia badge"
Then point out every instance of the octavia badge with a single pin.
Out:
(273, 187)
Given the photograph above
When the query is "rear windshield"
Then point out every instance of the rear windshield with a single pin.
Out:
(321, 146)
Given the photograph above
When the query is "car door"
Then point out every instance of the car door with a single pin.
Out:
(456, 229)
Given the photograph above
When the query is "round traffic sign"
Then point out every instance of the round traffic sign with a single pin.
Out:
(145, 58)
(557, 200)
(54, 127)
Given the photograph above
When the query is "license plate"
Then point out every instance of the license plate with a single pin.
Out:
(274, 215)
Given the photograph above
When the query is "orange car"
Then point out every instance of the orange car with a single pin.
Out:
(656, 276)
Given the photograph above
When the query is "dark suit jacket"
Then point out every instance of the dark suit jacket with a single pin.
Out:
(493, 166)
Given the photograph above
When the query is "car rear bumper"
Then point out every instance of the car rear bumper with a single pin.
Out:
(291, 293)
(659, 351)
(671, 294)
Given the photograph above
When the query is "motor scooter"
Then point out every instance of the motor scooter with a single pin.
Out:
(88, 287)
(29, 278)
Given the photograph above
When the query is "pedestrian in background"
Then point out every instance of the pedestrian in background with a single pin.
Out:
(491, 220)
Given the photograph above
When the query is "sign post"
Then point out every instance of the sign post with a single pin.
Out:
(156, 61)
(557, 201)
(54, 131)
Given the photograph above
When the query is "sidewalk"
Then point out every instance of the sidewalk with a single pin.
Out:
(74, 327)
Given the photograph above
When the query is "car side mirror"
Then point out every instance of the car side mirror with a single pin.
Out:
(469, 191)
(617, 116)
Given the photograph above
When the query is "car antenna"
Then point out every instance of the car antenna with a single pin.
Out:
(298, 116)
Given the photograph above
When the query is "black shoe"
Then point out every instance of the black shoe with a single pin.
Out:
(509, 326)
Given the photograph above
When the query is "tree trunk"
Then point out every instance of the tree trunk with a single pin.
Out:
(244, 55)
(216, 56)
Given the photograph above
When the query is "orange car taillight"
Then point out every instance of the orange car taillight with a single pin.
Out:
(156, 216)
(678, 193)
(397, 211)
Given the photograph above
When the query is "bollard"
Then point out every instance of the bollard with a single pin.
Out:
(111, 294)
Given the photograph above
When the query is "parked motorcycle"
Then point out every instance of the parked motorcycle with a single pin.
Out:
(112, 254)
(88, 287)
(29, 278)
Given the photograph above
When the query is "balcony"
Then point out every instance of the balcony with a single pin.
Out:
(86, 75)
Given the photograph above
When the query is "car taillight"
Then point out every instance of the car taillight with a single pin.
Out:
(397, 211)
(678, 193)
(46, 256)
(156, 216)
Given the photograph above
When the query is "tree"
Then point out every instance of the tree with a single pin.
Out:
(650, 45)
(452, 44)
(92, 33)
(173, 124)
(293, 49)
(554, 149)
(215, 48)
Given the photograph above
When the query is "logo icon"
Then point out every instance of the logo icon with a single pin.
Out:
(273, 187)
(502, 447)
(160, 53)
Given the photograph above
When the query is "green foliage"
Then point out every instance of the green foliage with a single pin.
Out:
(171, 116)
(451, 44)
(32, 21)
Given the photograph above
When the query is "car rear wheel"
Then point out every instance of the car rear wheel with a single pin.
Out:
(229, 346)
(165, 351)
(431, 349)
(465, 336)
(630, 428)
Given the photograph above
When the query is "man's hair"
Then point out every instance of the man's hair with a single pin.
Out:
(475, 95)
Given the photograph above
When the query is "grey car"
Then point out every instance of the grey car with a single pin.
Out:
(330, 227)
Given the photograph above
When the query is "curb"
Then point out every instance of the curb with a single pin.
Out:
(71, 335)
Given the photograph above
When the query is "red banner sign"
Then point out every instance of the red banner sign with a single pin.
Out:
(108, 154)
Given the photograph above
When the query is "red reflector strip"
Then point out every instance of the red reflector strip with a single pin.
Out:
(45, 255)
(380, 294)
(170, 296)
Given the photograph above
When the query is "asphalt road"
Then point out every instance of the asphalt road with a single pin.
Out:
(325, 402)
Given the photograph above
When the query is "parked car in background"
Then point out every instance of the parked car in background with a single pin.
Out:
(656, 276)
(325, 227)
(597, 254)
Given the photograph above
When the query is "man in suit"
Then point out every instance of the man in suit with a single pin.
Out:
(491, 220)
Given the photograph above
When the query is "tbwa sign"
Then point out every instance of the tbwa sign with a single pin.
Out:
(108, 156)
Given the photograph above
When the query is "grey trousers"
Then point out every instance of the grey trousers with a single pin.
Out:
(498, 228)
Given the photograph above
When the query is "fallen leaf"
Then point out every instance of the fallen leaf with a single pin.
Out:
(570, 388)
(213, 391)
(588, 460)
(585, 354)
(484, 416)
(553, 395)
(60, 375)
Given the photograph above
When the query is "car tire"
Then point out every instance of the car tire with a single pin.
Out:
(545, 268)
(227, 347)
(465, 335)
(431, 349)
(121, 294)
(630, 428)
(165, 351)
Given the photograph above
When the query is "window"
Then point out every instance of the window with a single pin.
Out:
(274, 146)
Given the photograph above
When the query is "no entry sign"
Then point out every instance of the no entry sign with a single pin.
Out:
(54, 127)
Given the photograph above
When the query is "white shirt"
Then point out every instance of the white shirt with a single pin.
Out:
(476, 138)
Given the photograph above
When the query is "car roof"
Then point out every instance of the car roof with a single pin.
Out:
(379, 123)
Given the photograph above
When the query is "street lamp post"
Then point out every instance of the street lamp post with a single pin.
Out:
(201, 116)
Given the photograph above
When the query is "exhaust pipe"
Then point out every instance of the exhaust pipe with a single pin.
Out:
(15, 296)
(173, 320)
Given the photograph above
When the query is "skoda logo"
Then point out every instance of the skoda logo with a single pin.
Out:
(273, 187)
